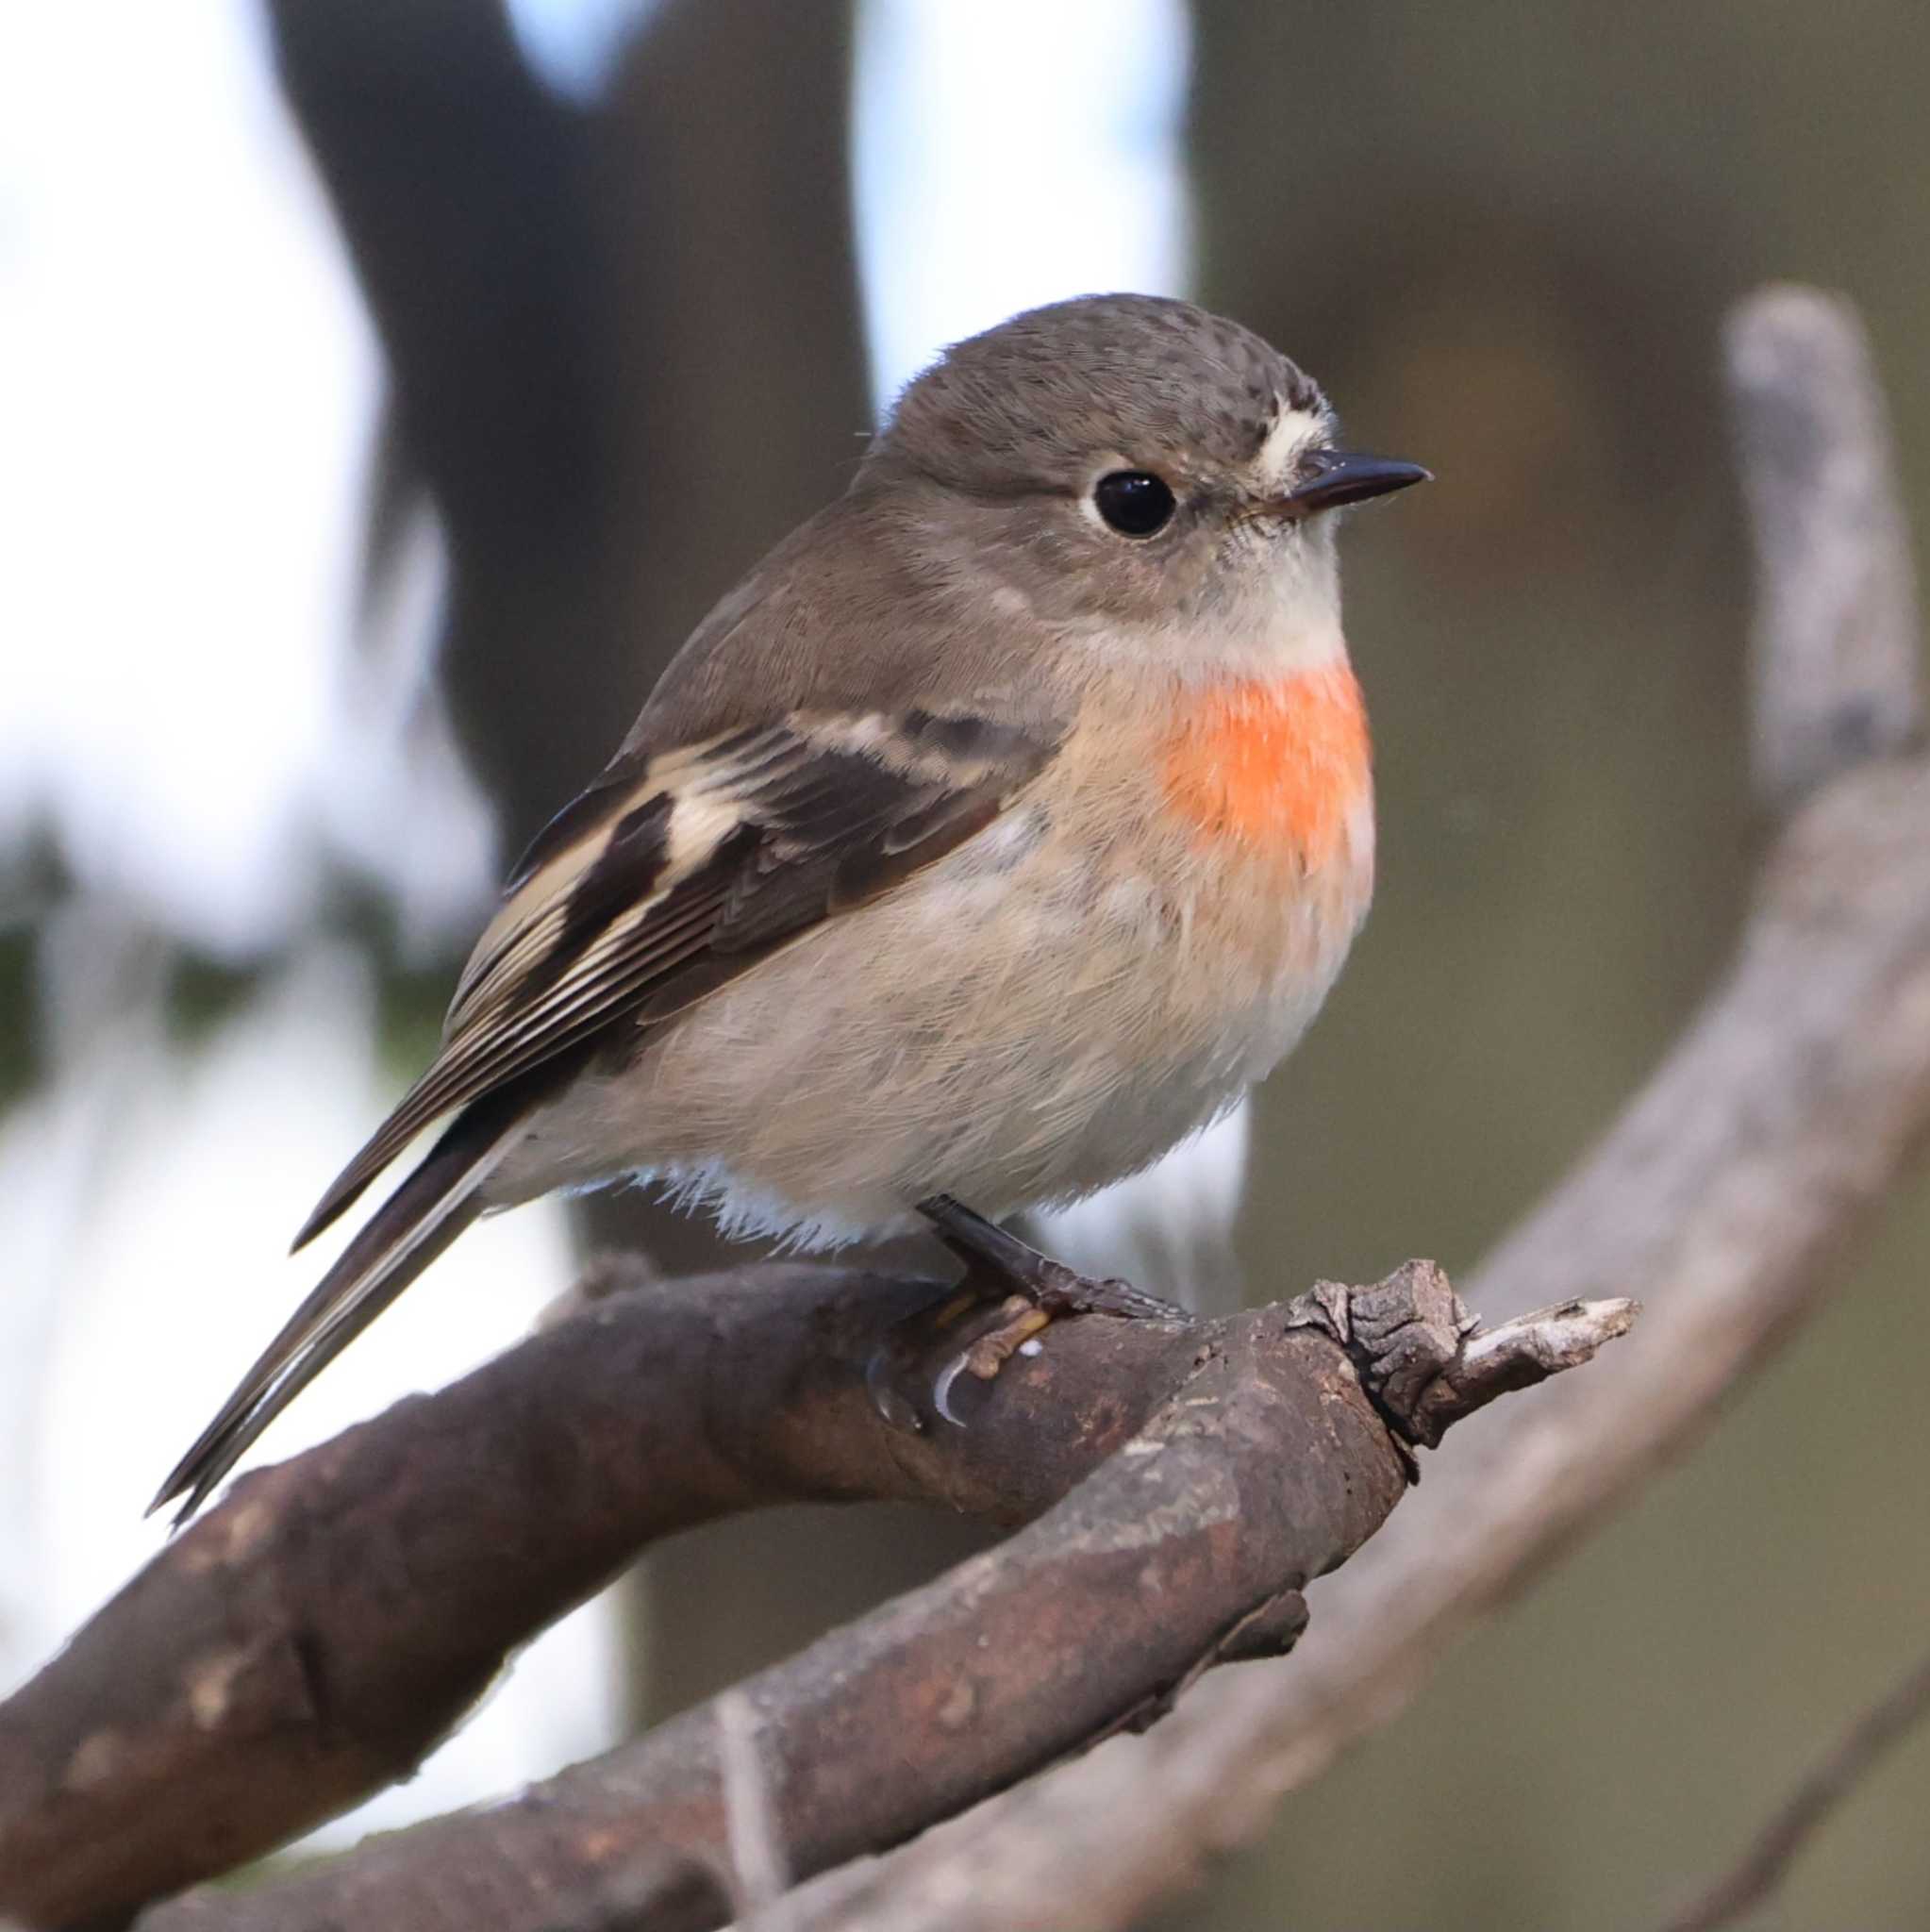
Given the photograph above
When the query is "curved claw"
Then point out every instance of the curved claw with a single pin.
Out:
(942, 1388)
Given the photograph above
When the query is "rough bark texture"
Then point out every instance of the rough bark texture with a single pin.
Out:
(312, 1636)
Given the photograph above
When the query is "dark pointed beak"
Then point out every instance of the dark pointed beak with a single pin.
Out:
(1329, 478)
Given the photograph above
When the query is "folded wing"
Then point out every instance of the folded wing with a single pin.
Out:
(667, 880)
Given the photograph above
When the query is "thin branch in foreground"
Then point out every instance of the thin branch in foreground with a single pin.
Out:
(1767, 1862)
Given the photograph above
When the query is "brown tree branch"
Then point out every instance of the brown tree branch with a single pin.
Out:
(1728, 1190)
(314, 1635)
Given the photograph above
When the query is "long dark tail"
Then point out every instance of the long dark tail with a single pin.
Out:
(415, 1225)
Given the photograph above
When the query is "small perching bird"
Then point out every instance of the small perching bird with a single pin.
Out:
(992, 836)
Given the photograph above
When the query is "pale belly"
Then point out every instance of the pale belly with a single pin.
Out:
(1008, 1027)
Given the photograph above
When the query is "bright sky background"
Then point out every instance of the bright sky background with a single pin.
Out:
(189, 386)
(1010, 153)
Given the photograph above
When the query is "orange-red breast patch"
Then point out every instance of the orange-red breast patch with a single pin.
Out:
(1278, 766)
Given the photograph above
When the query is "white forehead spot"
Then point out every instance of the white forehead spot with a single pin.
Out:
(1292, 430)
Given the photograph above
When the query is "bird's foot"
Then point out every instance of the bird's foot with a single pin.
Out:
(992, 1255)
(1010, 1296)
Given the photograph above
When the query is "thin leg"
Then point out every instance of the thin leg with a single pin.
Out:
(1050, 1286)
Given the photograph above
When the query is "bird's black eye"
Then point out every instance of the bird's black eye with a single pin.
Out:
(1135, 503)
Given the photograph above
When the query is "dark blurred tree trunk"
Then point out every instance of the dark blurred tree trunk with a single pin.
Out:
(465, 190)
(628, 356)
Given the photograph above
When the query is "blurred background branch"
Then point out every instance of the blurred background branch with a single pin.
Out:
(1835, 643)
(1756, 1875)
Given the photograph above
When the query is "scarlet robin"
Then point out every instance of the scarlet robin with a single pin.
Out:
(1007, 823)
